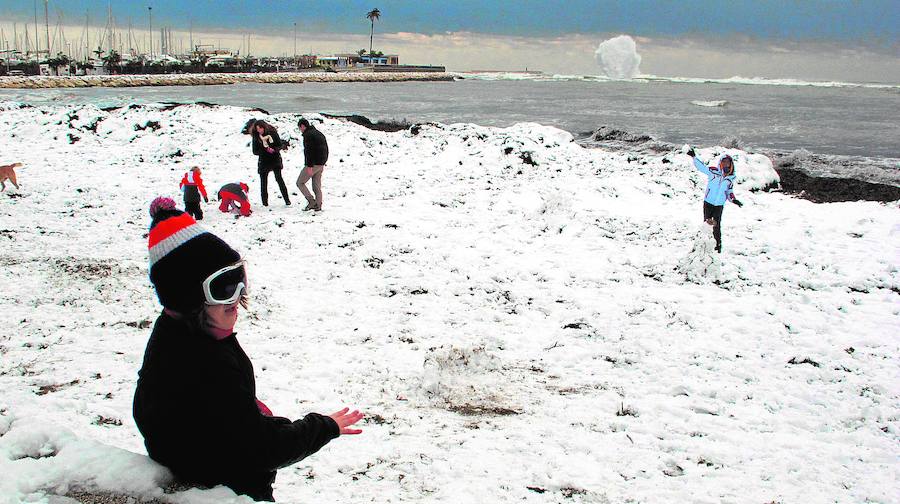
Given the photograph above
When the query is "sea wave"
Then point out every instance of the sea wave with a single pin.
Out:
(710, 103)
(749, 81)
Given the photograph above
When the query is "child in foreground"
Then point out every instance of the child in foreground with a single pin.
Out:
(195, 402)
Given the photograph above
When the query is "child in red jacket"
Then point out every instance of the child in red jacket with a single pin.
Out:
(233, 198)
(192, 187)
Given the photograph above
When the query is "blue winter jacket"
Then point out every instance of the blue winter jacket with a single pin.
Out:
(719, 188)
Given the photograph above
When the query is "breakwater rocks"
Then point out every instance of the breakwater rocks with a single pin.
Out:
(40, 82)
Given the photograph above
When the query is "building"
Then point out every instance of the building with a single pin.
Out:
(387, 59)
(337, 62)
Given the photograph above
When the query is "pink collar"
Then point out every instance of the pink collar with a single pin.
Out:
(218, 334)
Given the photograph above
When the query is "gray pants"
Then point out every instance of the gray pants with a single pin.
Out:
(314, 173)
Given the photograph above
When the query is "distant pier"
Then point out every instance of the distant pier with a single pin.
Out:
(213, 79)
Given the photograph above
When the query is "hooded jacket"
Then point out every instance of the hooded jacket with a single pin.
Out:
(195, 405)
(719, 187)
(192, 186)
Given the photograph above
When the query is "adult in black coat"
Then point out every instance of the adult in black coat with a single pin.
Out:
(267, 145)
(195, 402)
(315, 152)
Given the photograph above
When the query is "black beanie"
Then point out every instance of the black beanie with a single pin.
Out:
(182, 256)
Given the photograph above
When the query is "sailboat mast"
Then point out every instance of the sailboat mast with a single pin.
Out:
(37, 47)
(47, 24)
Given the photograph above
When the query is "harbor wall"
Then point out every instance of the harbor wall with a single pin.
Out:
(211, 79)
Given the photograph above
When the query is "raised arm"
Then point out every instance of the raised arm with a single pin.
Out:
(702, 168)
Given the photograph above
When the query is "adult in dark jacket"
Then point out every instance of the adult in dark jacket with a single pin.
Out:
(315, 152)
(267, 145)
(195, 402)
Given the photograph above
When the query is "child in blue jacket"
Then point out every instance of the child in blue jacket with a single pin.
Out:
(719, 189)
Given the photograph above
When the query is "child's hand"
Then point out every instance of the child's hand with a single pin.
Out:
(345, 419)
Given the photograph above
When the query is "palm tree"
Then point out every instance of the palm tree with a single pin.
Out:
(372, 16)
(112, 60)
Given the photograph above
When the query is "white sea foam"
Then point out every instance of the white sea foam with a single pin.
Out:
(618, 57)
(749, 81)
(710, 103)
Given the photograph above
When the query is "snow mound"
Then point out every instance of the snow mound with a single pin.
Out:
(702, 264)
(753, 172)
(43, 457)
(466, 380)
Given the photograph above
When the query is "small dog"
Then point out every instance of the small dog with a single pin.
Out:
(8, 172)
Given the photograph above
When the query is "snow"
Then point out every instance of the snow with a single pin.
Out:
(521, 318)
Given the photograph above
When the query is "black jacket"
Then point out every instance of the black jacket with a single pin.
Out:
(195, 405)
(315, 147)
(268, 161)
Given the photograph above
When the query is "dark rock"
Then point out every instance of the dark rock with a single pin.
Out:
(833, 189)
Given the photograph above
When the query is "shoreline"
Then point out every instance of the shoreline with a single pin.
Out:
(213, 79)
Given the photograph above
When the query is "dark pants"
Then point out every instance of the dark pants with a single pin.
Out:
(258, 486)
(714, 212)
(193, 209)
(264, 186)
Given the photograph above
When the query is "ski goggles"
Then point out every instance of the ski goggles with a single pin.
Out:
(226, 285)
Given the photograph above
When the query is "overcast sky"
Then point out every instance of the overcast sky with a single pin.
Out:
(854, 40)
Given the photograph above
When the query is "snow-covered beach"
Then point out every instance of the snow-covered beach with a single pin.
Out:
(521, 318)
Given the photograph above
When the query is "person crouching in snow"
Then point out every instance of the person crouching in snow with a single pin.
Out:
(195, 402)
(233, 198)
(719, 189)
(192, 187)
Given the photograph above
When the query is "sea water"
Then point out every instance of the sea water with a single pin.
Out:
(851, 130)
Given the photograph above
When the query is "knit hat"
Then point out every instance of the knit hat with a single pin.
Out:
(182, 256)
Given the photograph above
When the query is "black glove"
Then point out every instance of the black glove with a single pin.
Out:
(738, 203)
(206, 200)
(690, 152)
